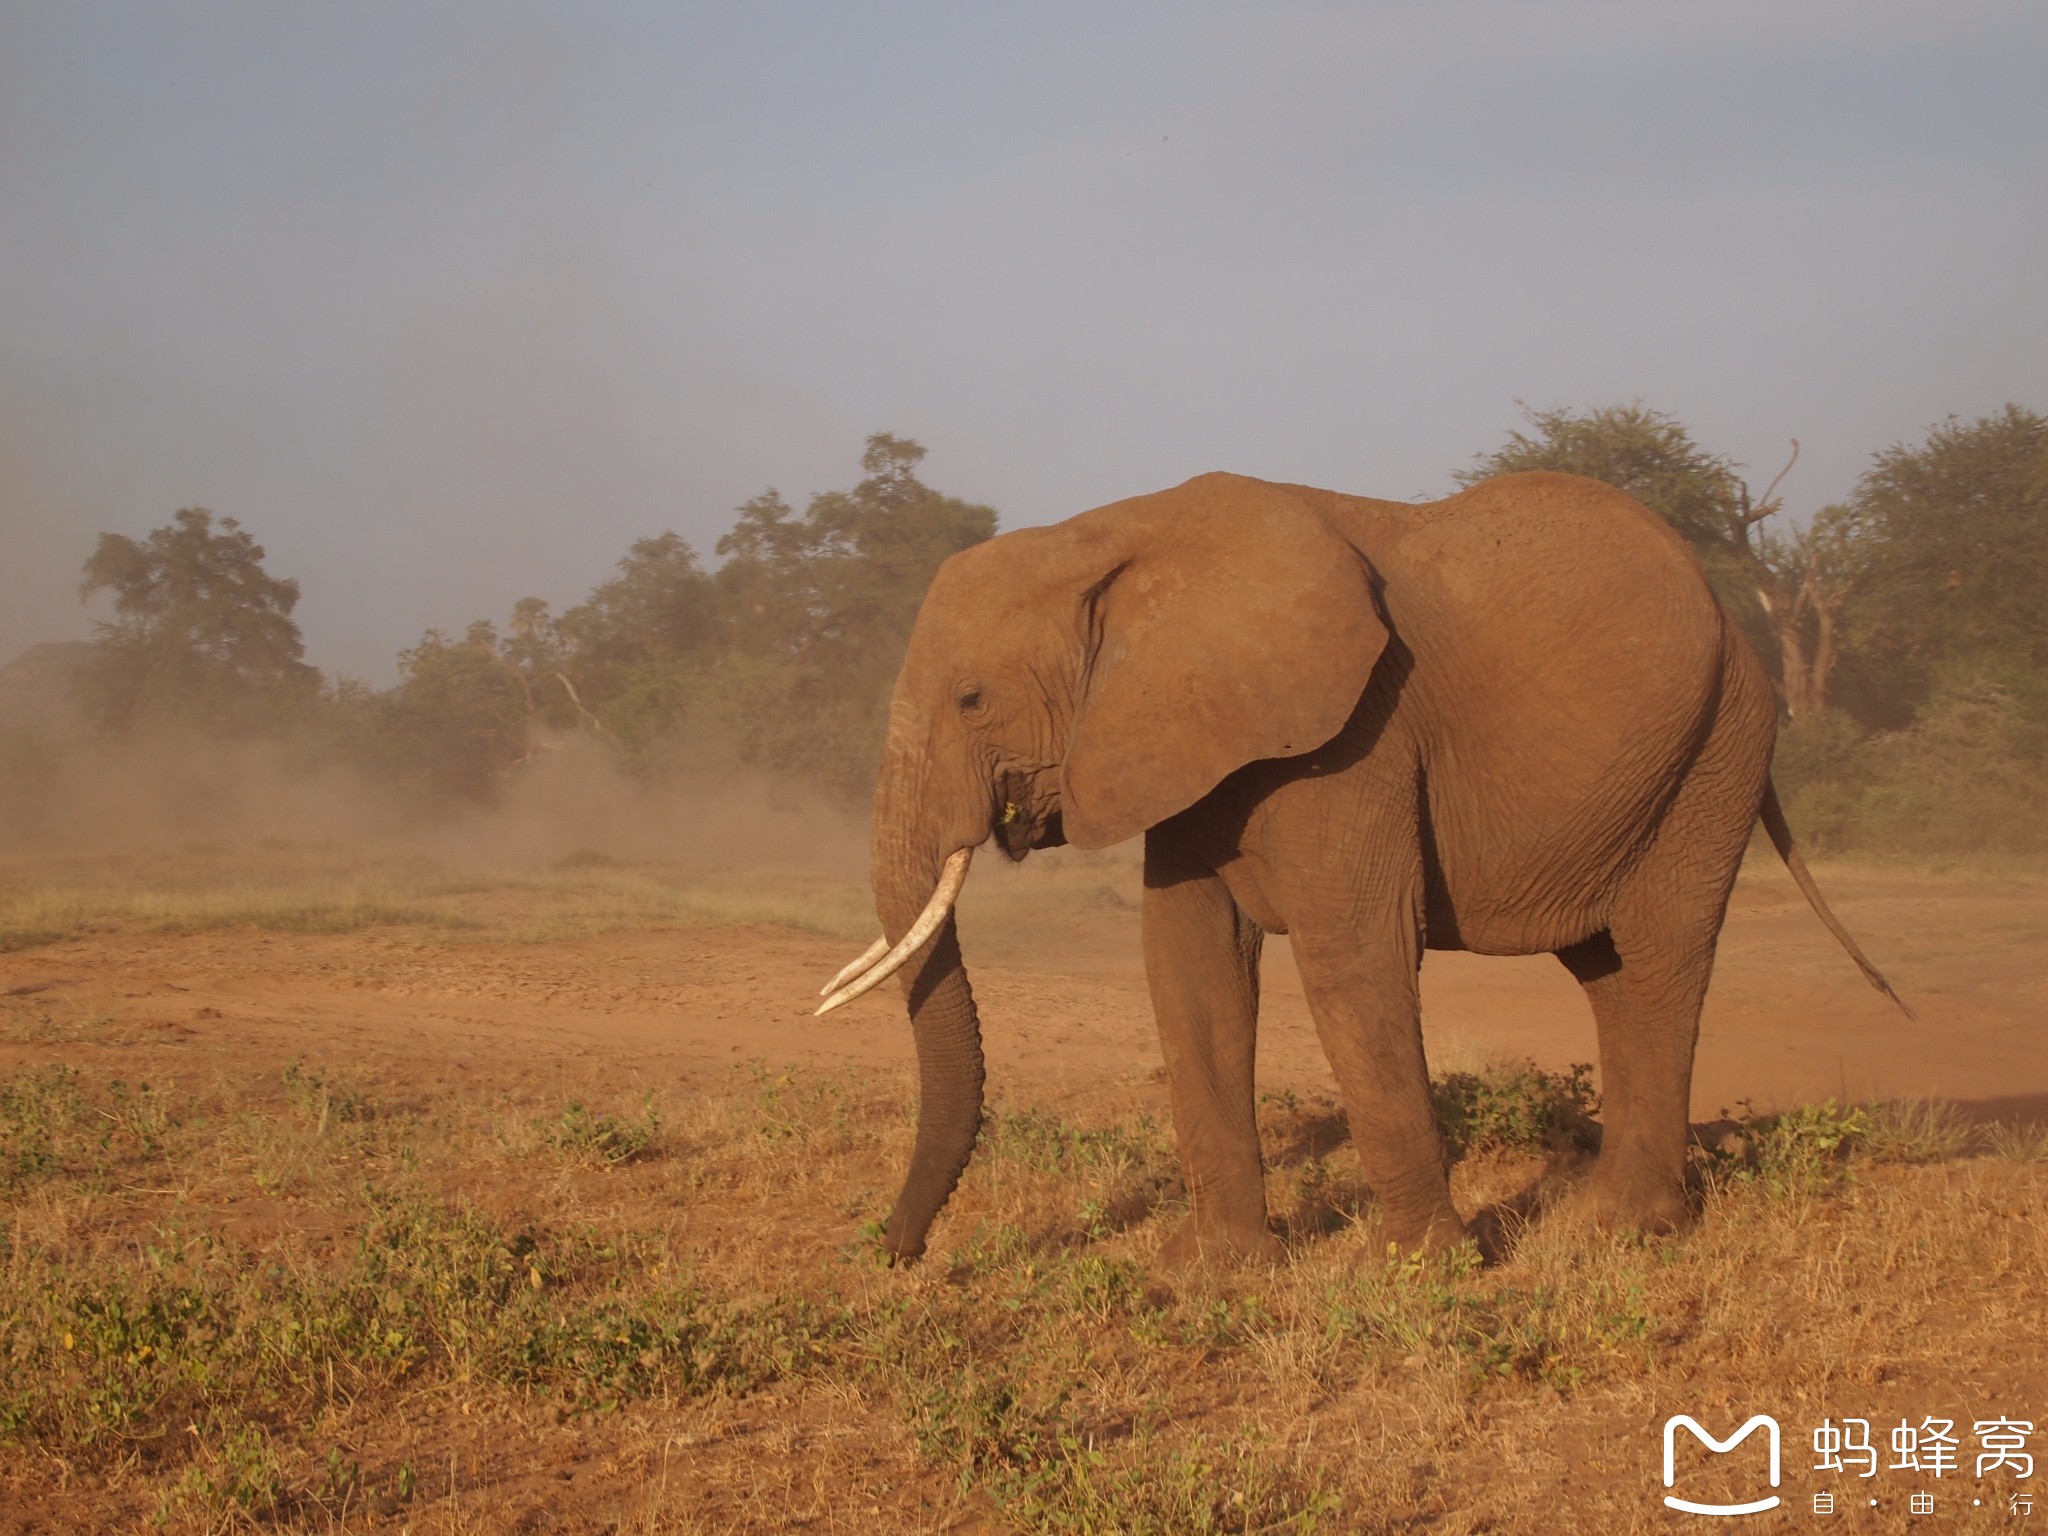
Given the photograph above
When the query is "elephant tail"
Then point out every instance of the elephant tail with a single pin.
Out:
(1781, 839)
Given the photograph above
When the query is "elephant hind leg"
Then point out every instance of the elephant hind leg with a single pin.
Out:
(1646, 990)
(1647, 975)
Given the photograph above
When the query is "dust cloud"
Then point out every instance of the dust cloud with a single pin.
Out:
(83, 796)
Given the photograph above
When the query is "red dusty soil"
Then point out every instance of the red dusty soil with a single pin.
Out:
(1788, 1018)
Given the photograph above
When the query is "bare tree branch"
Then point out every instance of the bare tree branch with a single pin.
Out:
(1778, 479)
(490, 648)
(581, 709)
(1754, 513)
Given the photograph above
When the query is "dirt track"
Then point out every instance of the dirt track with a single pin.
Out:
(1788, 1018)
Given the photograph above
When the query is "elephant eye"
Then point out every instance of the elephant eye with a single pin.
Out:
(970, 698)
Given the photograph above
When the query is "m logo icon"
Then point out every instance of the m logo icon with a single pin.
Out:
(1755, 1506)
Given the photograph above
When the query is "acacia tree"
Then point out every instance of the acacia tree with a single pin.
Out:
(1957, 580)
(201, 633)
(1788, 589)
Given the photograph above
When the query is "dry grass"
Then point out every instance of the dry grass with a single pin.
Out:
(320, 889)
(294, 1304)
(296, 888)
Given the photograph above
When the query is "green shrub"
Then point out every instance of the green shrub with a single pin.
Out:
(1517, 1108)
(1800, 1150)
(240, 1477)
(1965, 777)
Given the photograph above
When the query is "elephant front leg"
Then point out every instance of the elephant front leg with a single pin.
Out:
(1364, 994)
(1202, 962)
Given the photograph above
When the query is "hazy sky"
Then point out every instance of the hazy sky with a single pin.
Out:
(451, 303)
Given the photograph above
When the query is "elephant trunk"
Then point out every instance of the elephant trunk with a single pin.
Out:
(908, 856)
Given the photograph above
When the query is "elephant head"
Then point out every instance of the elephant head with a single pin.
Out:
(1077, 684)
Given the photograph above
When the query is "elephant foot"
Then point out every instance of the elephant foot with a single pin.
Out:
(1429, 1234)
(1618, 1202)
(1199, 1242)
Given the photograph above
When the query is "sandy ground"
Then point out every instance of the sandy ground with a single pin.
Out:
(1788, 1019)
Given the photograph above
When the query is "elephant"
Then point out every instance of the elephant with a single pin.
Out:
(1512, 721)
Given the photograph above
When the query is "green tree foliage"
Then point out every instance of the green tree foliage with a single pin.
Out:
(659, 607)
(201, 633)
(1957, 583)
(1926, 584)
(633, 654)
(820, 608)
(1966, 776)
(1943, 743)
(460, 717)
(783, 657)
(1801, 579)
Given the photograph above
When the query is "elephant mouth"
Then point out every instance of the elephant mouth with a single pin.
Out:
(1024, 821)
(1045, 832)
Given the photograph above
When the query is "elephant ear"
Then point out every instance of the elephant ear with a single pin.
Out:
(1234, 625)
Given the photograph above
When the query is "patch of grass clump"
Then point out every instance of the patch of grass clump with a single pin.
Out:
(1812, 1146)
(55, 1122)
(343, 911)
(1046, 1473)
(239, 1477)
(584, 858)
(17, 935)
(429, 1291)
(39, 1113)
(1916, 1131)
(1042, 1141)
(2018, 1143)
(586, 1135)
(1467, 1323)
(333, 890)
(320, 1099)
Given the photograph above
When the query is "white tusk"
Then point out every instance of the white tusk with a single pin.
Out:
(868, 957)
(951, 878)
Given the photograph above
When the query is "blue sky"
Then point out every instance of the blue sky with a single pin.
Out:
(451, 303)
